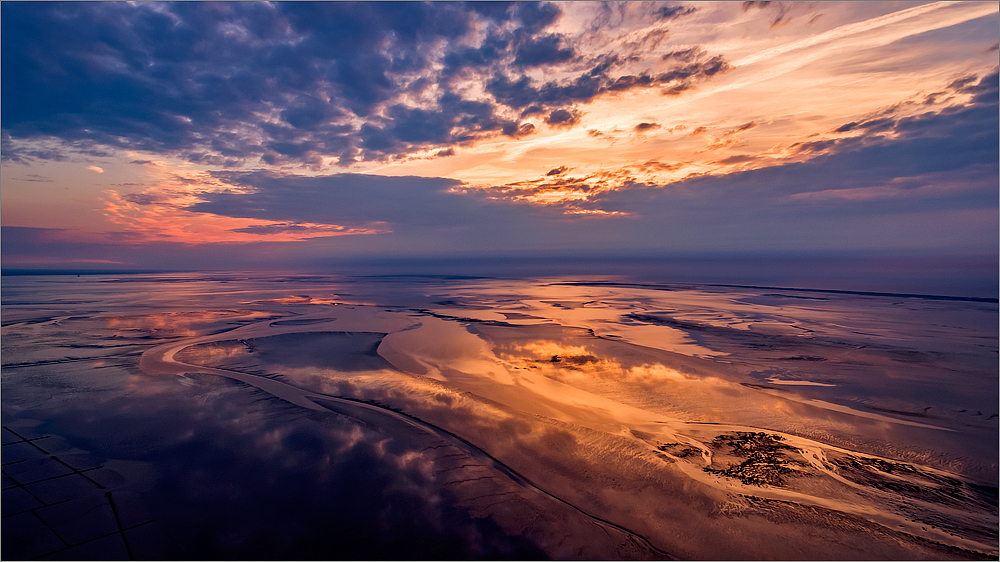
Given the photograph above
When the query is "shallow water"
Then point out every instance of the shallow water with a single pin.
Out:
(308, 416)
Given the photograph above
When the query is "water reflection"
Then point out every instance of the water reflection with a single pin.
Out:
(580, 383)
(174, 324)
(225, 475)
(464, 408)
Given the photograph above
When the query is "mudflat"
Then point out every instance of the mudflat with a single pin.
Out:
(511, 418)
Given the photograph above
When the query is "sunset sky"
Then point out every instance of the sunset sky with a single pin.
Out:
(203, 135)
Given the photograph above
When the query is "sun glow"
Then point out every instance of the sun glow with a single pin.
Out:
(160, 213)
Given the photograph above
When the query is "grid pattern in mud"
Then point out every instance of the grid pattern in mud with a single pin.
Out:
(53, 510)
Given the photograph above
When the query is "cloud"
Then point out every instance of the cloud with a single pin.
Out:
(144, 198)
(401, 205)
(737, 159)
(741, 128)
(13, 151)
(681, 76)
(727, 139)
(940, 165)
(943, 159)
(35, 178)
(354, 200)
(162, 212)
(780, 11)
(308, 230)
(659, 166)
(563, 118)
(307, 84)
(544, 50)
(911, 120)
(196, 79)
(674, 12)
(97, 169)
(245, 86)
(929, 181)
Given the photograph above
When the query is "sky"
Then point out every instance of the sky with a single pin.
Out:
(258, 135)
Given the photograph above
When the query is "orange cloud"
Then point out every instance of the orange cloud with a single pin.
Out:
(159, 213)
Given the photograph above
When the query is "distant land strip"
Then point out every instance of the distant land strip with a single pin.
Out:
(78, 272)
(834, 291)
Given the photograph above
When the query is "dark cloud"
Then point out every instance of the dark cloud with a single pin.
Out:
(547, 184)
(195, 79)
(674, 12)
(859, 192)
(691, 67)
(535, 16)
(872, 125)
(984, 91)
(142, 198)
(35, 178)
(279, 228)
(643, 127)
(533, 110)
(522, 130)
(353, 200)
(961, 83)
(779, 11)
(684, 55)
(647, 42)
(737, 159)
(544, 50)
(687, 76)
(819, 146)
(657, 165)
(404, 129)
(927, 182)
(230, 84)
(563, 118)
(870, 174)
(12, 152)
(60, 244)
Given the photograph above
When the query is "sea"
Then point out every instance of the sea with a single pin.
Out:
(712, 407)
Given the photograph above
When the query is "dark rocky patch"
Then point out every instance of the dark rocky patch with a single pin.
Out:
(766, 463)
(679, 450)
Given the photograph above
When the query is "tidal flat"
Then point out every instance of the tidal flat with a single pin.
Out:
(249, 416)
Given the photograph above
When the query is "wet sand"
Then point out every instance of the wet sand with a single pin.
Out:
(659, 417)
